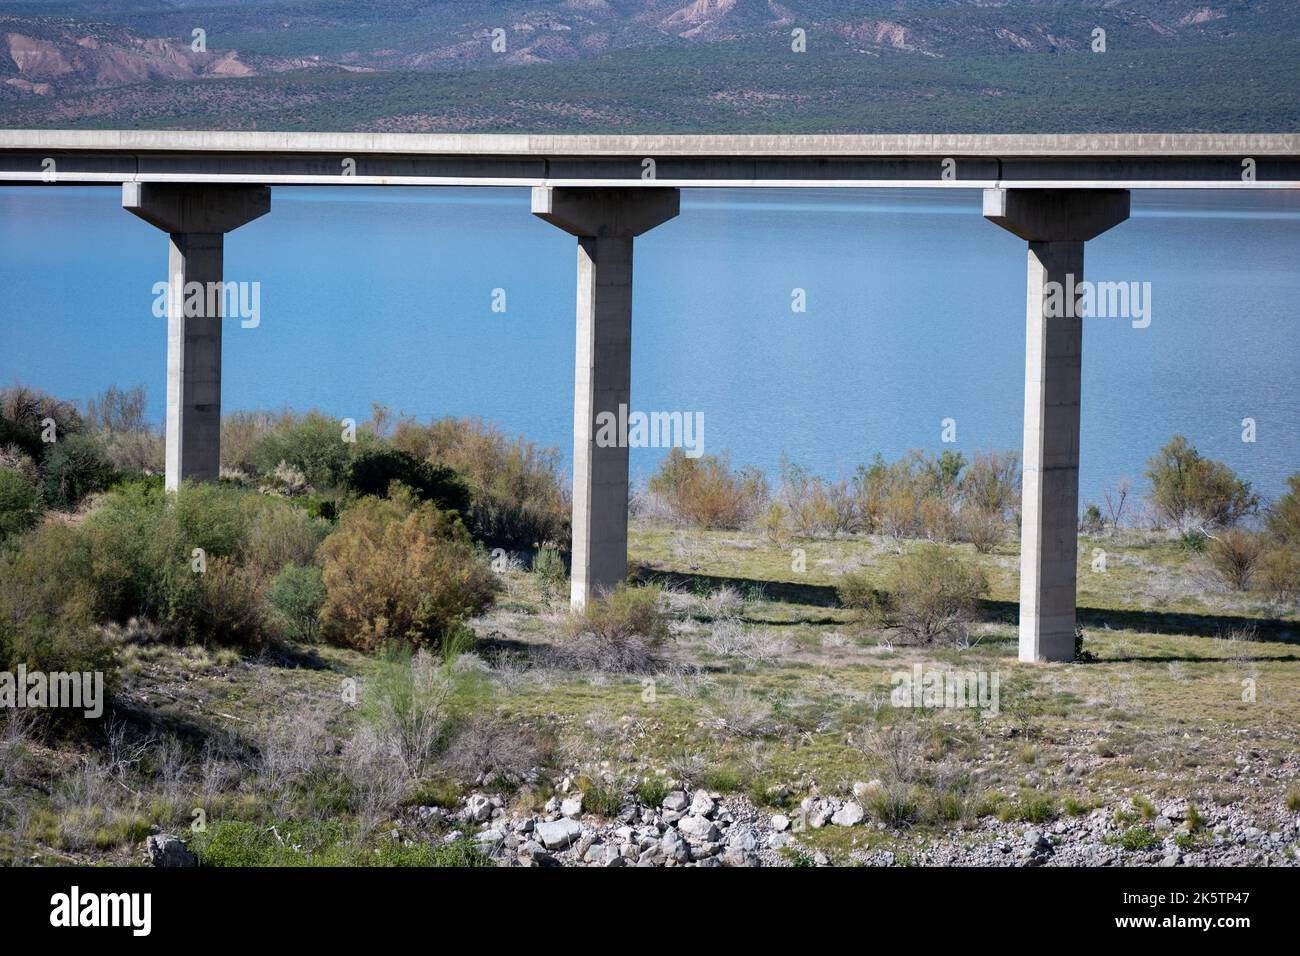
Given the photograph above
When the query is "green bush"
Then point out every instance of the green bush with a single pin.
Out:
(1093, 522)
(1278, 573)
(20, 504)
(76, 466)
(236, 843)
(280, 535)
(932, 594)
(314, 445)
(1135, 839)
(47, 608)
(401, 570)
(548, 565)
(298, 593)
(1284, 516)
(143, 543)
(856, 591)
(622, 614)
(373, 471)
(1189, 491)
(519, 498)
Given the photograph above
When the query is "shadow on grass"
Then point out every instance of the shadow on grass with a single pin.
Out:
(1005, 612)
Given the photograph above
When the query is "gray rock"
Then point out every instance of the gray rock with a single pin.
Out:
(478, 808)
(674, 847)
(851, 814)
(572, 806)
(167, 850)
(532, 850)
(676, 801)
(698, 829)
(780, 823)
(558, 833)
(702, 804)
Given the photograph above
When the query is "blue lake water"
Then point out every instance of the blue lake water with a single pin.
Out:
(915, 314)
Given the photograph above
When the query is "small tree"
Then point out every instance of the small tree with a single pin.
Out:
(1189, 491)
(933, 594)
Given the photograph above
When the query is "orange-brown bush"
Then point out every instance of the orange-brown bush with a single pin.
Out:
(704, 492)
(399, 570)
(1234, 554)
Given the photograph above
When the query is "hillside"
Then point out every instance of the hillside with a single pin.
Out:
(654, 65)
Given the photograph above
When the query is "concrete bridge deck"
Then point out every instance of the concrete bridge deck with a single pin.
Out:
(1054, 161)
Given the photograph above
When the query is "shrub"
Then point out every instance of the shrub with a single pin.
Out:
(142, 543)
(980, 527)
(518, 497)
(1135, 839)
(651, 791)
(221, 605)
(1092, 522)
(1030, 808)
(916, 495)
(894, 805)
(280, 535)
(400, 570)
(704, 493)
(1234, 554)
(856, 591)
(241, 433)
(623, 613)
(992, 482)
(46, 607)
(297, 593)
(23, 413)
(491, 748)
(76, 466)
(1284, 516)
(414, 703)
(1190, 491)
(1278, 573)
(813, 506)
(314, 445)
(20, 504)
(373, 471)
(619, 631)
(117, 417)
(932, 593)
(548, 565)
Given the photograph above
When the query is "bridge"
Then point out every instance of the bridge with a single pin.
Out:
(1054, 191)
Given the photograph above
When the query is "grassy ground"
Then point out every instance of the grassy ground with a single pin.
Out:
(768, 691)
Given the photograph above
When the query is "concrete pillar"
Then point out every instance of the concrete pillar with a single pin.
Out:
(1056, 223)
(605, 222)
(196, 218)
